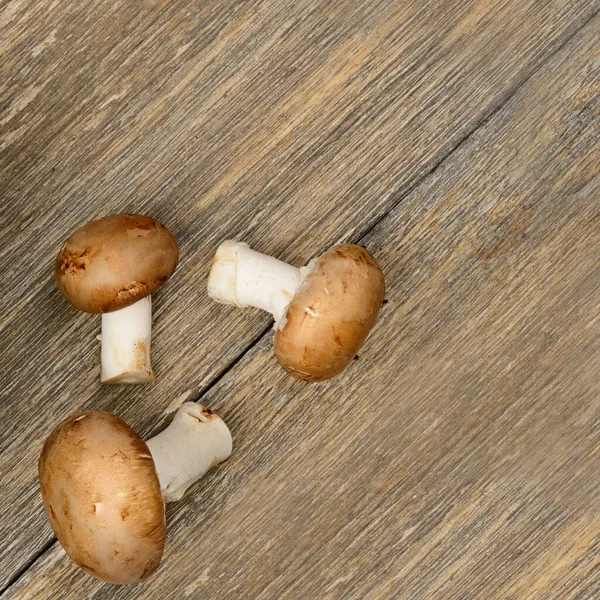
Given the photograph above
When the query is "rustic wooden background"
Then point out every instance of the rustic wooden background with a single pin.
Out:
(459, 140)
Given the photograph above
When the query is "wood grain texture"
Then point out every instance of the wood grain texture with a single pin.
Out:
(458, 457)
(291, 125)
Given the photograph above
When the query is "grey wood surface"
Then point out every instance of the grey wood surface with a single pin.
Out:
(456, 457)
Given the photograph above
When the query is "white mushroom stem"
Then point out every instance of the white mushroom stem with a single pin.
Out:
(196, 440)
(125, 340)
(243, 277)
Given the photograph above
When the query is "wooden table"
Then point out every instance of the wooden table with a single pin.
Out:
(459, 141)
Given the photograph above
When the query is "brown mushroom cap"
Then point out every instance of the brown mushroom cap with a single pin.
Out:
(331, 315)
(113, 262)
(102, 497)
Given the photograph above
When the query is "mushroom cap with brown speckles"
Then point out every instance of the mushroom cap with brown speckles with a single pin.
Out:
(113, 262)
(102, 497)
(331, 315)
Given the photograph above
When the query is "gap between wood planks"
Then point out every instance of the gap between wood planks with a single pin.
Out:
(502, 101)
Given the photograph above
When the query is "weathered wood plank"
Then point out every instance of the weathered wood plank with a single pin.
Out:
(458, 457)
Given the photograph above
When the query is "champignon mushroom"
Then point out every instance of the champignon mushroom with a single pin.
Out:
(323, 312)
(111, 266)
(104, 488)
